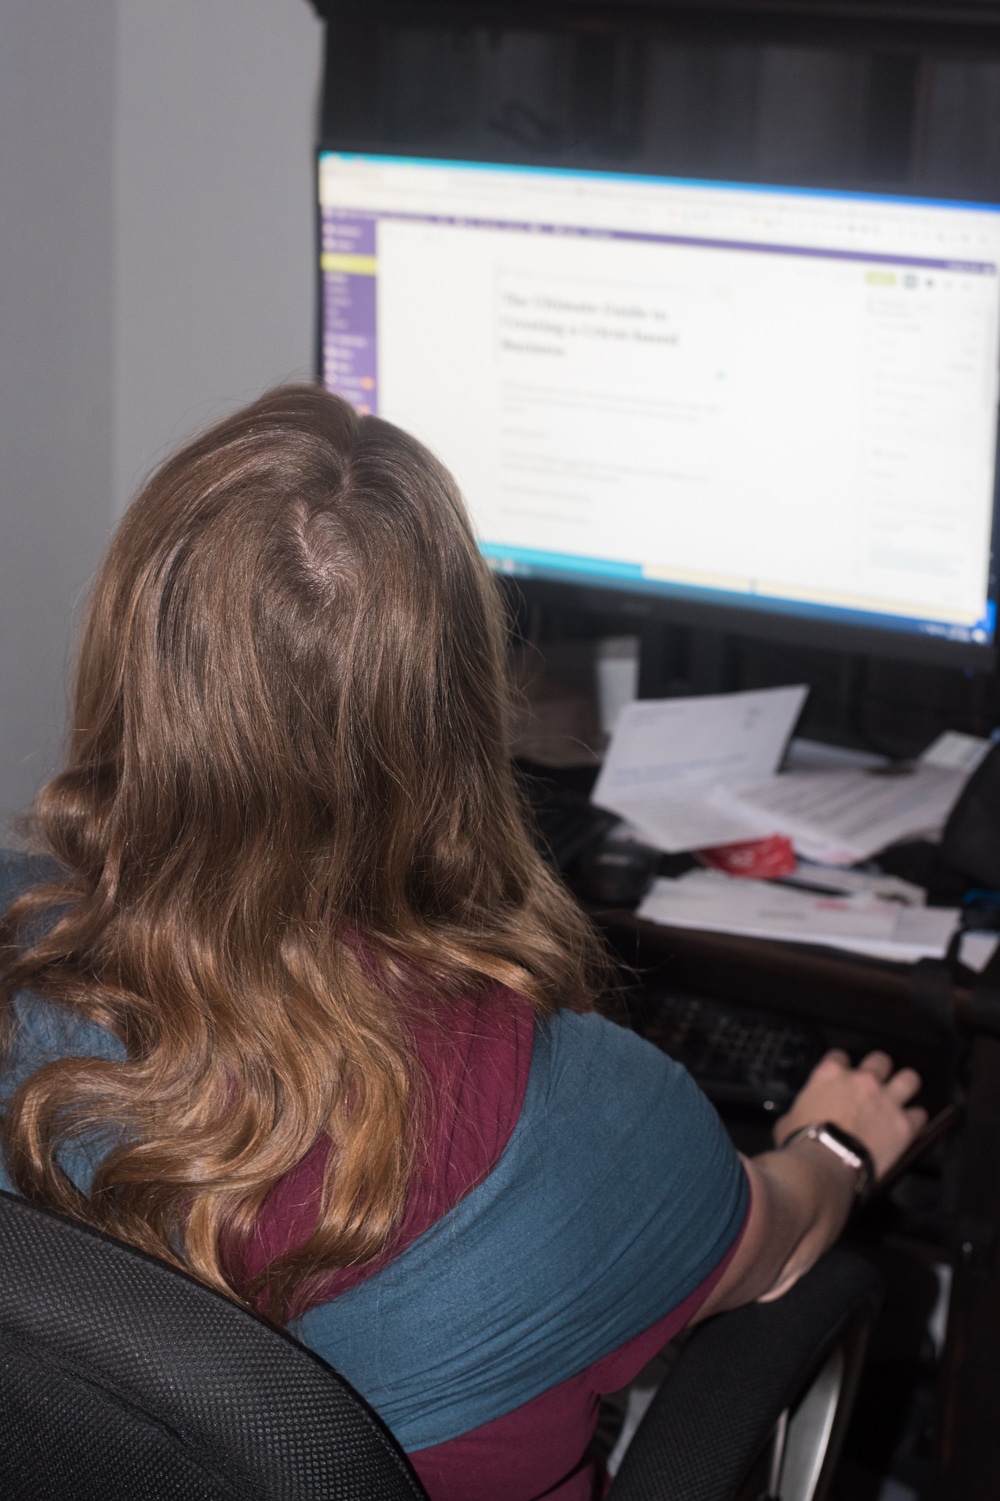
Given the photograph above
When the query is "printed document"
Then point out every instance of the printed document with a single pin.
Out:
(864, 924)
(668, 757)
(844, 816)
(690, 773)
(841, 817)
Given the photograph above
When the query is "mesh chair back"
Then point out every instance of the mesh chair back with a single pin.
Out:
(122, 1379)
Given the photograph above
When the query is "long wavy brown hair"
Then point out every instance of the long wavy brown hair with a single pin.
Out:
(288, 803)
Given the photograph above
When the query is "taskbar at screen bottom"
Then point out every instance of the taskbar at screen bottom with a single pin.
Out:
(811, 622)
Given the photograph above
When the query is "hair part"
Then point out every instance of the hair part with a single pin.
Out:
(288, 808)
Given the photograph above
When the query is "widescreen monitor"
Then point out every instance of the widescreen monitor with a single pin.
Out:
(768, 407)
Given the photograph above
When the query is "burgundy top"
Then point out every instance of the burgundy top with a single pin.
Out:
(476, 1055)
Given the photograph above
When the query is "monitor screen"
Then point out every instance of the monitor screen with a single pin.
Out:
(774, 403)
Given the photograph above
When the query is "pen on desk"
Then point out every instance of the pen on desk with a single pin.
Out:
(811, 886)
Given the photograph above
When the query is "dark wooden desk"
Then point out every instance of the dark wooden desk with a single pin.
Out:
(875, 1001)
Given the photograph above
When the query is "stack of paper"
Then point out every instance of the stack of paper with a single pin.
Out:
(842, 817)
(864, 924)
(668, 757)
(691, 773)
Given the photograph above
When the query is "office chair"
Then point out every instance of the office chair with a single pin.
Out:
(122, 1379)
(757, 1404)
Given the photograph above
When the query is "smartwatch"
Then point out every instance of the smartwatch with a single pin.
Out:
(851, 1152)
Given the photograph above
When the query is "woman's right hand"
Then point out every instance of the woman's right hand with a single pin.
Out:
(800, 1199)
(870, 1101)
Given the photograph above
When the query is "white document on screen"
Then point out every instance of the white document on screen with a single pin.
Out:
(668, 758)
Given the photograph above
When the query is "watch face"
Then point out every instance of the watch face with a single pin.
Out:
(844, 1145)
(851, 1152)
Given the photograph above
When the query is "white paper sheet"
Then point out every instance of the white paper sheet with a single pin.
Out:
(667, 756)
(713, 902)
(694, 772)
(841, 817)
(959, 752)
(978, 949)
(920, 933)
(841, 813)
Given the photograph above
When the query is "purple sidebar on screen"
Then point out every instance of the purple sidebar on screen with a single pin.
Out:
(349, 362)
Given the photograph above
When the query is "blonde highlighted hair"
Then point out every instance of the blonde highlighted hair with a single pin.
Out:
(288, 800)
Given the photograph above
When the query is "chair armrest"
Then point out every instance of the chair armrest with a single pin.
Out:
(737, 1374)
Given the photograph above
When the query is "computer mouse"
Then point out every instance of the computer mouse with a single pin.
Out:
(618, 871)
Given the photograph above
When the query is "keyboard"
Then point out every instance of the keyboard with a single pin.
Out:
(739, 1055)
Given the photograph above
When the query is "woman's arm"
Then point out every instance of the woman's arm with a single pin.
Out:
(801, 1195)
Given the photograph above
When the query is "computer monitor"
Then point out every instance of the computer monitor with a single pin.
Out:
(772, 409)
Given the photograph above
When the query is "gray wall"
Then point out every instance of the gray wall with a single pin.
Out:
(213, 213)
(156, 269)
(56, 339)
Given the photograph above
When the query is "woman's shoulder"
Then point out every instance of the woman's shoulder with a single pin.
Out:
(618, 1104)
(38, 1031)
(22, 869)
(41, 1031)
